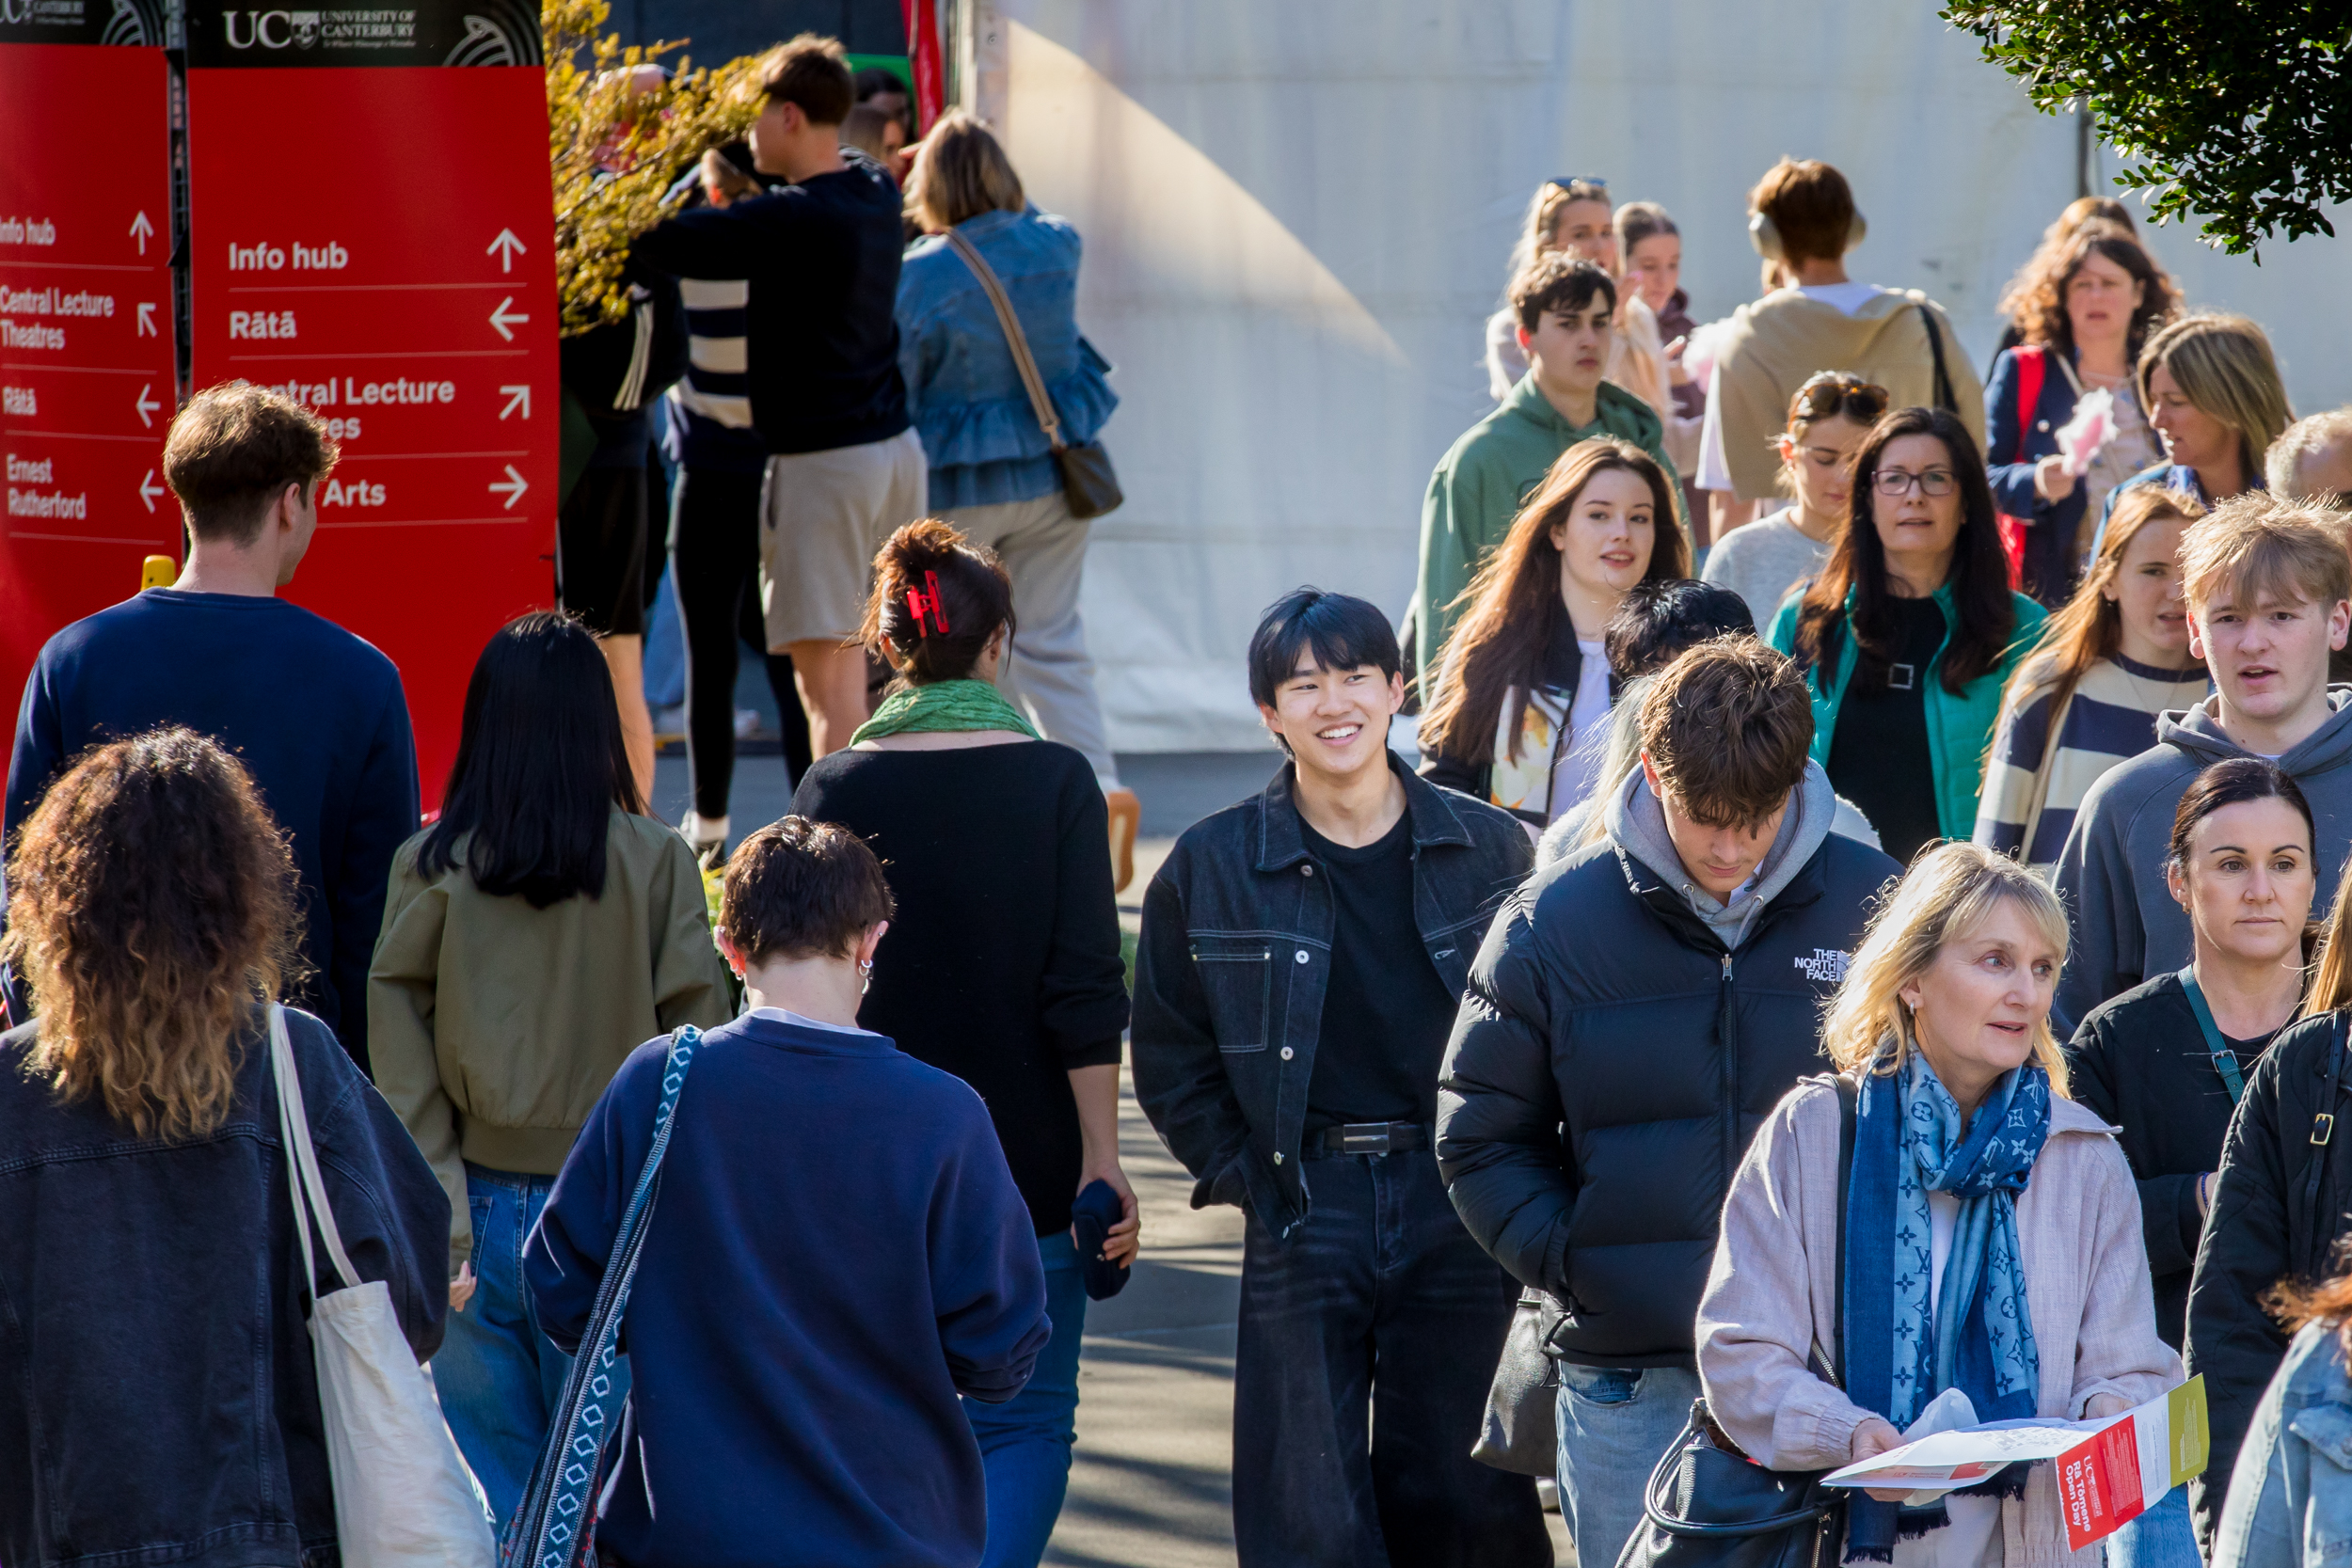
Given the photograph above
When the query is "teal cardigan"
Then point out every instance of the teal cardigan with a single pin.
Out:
(1959, 728)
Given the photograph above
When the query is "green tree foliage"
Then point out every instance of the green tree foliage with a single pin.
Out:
(617, 140)
(2239, 111)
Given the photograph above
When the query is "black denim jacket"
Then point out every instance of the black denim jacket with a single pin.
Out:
(1234, 957)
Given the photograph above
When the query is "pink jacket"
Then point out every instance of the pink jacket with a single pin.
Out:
(1772, 1300)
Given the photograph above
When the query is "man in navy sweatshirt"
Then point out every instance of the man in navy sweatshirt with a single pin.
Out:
(316, 714)
(837, 1253)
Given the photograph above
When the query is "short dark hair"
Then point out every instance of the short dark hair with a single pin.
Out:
(1811, 206)
(1344, 633)
(1656, 621)
(2228, 782)
(233, 450)
(1729, 726)
(809, 72)
(798, 888)
(1560, 282)
(975, 597)
(873, 80)
(541, 766)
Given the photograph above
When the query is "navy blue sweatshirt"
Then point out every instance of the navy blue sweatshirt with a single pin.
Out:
(821, 325)
(316, 714)
(837, 1251)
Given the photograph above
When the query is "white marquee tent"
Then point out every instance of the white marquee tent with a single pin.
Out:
(1297, 217)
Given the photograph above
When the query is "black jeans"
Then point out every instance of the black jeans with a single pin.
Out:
(1367, 1344)
(714, 559)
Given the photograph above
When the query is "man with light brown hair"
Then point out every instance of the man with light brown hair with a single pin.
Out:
(2270, 590)
(845, 467)
(315, 714)
(1801, 215)
(1635, 1010)
(2312, 461)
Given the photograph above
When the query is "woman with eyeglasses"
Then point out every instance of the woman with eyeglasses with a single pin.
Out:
(1828, 417)
(2085, 308)
(1909, 632)
(1573, 213)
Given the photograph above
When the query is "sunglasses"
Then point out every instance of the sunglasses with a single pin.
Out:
(1829, 394)
(1574, 183)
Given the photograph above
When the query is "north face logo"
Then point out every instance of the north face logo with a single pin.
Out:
(1826, 964)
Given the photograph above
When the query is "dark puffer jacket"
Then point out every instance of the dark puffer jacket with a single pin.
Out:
(2282, 1201)
(1611, 1061)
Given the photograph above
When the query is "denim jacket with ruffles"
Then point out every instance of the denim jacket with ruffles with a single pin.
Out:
(2290, 1498)
(979, 432)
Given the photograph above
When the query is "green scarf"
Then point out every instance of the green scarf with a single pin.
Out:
(956, 706)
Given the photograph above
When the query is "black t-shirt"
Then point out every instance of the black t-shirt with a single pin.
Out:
(1386, 1014)
(1877, 758)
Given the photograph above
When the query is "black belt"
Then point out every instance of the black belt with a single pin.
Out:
(1366, 1137)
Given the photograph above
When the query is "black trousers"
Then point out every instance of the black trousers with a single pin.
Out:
(714, 561)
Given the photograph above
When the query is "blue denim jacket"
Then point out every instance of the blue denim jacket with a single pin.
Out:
(979, 432)
(2290, 1499)
(1232, 963)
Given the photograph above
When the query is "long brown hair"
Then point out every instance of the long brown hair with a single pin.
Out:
(1857, 564)
(151, 908)
(2037, 302)
(1514, 608)
(2089, 628)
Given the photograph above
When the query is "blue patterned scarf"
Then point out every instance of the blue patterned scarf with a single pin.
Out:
(1977, 1337)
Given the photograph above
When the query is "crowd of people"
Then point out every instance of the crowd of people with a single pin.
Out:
(1820, 971)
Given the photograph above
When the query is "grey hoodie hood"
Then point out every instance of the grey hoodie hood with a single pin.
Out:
(1637, 824)
(2198, 733)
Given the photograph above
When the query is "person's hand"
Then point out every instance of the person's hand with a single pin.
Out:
(2104, 1406)
(1124, 1240)
(2051, 480)
(1674, 362)
(1873, 1437)
(461, 1289)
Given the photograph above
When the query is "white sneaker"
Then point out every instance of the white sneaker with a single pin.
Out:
(707, 836)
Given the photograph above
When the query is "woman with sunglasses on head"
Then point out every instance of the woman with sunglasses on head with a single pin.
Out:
(1827, 420)
(1909, 632)
(2085, 309)
(1572, 215)
(2109, 664)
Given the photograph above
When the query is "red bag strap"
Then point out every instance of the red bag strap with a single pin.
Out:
(2032, 369)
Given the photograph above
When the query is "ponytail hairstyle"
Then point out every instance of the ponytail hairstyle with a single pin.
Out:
(937, 600)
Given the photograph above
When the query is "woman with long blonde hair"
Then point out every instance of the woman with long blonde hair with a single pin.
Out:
(2110, 662)
(160, 1391)
(1992, 1237)
(1519, 715)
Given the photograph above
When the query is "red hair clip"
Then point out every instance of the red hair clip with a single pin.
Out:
(921, 603)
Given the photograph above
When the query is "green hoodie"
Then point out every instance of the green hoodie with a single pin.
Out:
(1483, 479)
(1959, 728)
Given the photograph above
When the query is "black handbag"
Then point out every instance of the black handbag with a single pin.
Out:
(1521, 1432)
(1708, 1505)
(1087, 481)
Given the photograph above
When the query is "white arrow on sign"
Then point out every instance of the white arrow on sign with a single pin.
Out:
(147, 319)
(517, 397)
(146, 404)
(504, 319)
(140, 230)
(514, 487)
(506, 247)
(149, 489)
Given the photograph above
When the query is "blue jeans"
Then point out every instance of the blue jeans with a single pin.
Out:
(1366, 1347)
(499, 1377)
(1024, 1443)
(2160, 1538)
(1615, 1421)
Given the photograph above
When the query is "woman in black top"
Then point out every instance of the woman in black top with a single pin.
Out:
(2166, 1060)
(1003, 966)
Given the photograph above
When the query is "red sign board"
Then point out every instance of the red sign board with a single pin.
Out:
(404, 287)
(86, 337)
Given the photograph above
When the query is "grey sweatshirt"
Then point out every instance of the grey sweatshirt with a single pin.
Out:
(1568, 831)
(1638, 825)
(2110, 875)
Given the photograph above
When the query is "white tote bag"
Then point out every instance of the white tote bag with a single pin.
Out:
(404, 1498)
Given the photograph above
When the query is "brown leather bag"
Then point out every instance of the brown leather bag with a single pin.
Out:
(1087, 480)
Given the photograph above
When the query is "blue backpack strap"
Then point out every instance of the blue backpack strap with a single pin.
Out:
(556, 1521)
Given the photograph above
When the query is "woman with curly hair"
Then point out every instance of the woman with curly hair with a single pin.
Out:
(2083, 309)
(160, 1395)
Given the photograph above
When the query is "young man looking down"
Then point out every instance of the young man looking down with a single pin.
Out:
(1300, 957)
(2267, 584)
(1637, 1010)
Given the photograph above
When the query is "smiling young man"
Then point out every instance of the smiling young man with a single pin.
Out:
(1301, 957)
(1564, 306)
(1638, 1008)
(2267, 584)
